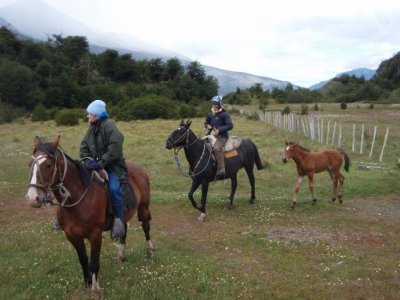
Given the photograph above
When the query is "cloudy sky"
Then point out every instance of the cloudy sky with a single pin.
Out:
(303, 42)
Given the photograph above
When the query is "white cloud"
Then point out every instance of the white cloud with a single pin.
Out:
(300, 41)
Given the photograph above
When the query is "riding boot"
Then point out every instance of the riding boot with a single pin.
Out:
(219, 155)
(118, 229)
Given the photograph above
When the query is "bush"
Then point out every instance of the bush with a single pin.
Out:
(304, 109)
(40, 113)
(286, 110)
(343, 105)
(68, 117)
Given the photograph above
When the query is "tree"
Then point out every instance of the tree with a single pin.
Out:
(196, 71)
(173, 69)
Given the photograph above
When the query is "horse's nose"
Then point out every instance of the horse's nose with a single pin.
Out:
(33, 201)
(168, 144)
(285, 160)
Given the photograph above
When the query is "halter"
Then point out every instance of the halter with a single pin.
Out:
(52, 186)
(187, 145)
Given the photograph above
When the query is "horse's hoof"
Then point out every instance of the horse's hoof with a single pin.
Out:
(340, 199)
(292, 206)
(252, 201)
(333, 200)
(202, 217)
(149, 253)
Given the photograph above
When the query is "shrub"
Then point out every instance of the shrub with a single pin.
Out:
(343, 105)
(39, 113)
(286, 110)
(67, 117)
(304, 109)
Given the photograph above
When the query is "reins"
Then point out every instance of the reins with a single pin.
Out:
(187, 145)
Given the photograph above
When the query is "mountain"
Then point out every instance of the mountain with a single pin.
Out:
(361, 72)
(229, 80)
(37, 20)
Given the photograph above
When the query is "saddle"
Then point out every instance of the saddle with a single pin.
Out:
(230, 146)
(128, 195)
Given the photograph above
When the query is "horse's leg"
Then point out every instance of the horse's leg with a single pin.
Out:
(234, 183)
(144, 216)
(193, 188)
(334, 179)
(80, 248)
(341, 183)
(252, 180)
(311, 185)
(204, 191)
(299, 179)
(121, 256)
(95, 240)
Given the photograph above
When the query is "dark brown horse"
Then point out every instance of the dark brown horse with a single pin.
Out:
(83, 203)
(308, 163)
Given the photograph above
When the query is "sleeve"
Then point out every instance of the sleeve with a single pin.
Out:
(115, 140)
(84, 150)
(208, 119)
(228, 125)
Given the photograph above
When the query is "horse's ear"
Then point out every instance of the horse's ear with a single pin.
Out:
(188, 123)
(182, 123)
(286, 142)
(36, 141)
(57, 141)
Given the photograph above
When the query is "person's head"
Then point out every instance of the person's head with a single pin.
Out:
(96, 110)
(216, 101)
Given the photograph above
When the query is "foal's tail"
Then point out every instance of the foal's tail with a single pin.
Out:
(346, 161)
(257, 159)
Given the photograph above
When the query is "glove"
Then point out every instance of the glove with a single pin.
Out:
(92, 165)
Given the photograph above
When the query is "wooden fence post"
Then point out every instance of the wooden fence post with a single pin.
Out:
(373, 143)
(384, 144)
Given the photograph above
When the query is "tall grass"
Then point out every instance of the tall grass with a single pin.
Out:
(259, 251)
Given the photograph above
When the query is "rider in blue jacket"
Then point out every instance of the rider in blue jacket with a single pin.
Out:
(219, 121)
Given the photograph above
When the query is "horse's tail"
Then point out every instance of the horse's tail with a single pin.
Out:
(346, 161)
(257, 159)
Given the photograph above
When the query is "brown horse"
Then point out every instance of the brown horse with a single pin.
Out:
(83, 203)
(308, 163)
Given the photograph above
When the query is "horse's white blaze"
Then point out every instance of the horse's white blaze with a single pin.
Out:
(33, 191)
(287, 148)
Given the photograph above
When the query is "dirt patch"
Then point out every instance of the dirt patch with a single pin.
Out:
(304, 234)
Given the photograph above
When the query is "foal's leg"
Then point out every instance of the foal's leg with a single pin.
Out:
(80, 248)
(299, 179)
(234, 183)
(341, 183)
(334, 179)
(311, 185)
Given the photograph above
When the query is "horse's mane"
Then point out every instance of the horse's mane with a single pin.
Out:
(51, 149)
(300, 146)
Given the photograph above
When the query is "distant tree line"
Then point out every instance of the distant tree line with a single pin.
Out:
(61, 73)
(383, 87)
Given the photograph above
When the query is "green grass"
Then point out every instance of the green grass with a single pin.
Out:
(260, 251)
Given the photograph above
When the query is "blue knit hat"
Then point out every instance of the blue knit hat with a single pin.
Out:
(98, 108)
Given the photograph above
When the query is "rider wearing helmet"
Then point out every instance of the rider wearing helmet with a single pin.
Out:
(219, 121)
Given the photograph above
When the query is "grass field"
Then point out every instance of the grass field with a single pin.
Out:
(260, 251)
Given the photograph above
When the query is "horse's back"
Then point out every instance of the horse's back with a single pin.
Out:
(140, 180)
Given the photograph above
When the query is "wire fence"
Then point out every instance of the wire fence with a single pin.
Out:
(364, 139)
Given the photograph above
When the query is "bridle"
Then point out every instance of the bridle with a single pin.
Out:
(187, 145)
(54, 184)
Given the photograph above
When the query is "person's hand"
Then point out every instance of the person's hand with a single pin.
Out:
(209, 126)
(91, 164)
(215, 132)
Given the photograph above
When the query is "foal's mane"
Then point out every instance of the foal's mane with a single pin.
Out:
(300, 146)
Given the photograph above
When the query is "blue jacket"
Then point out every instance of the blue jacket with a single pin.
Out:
(221, 121)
